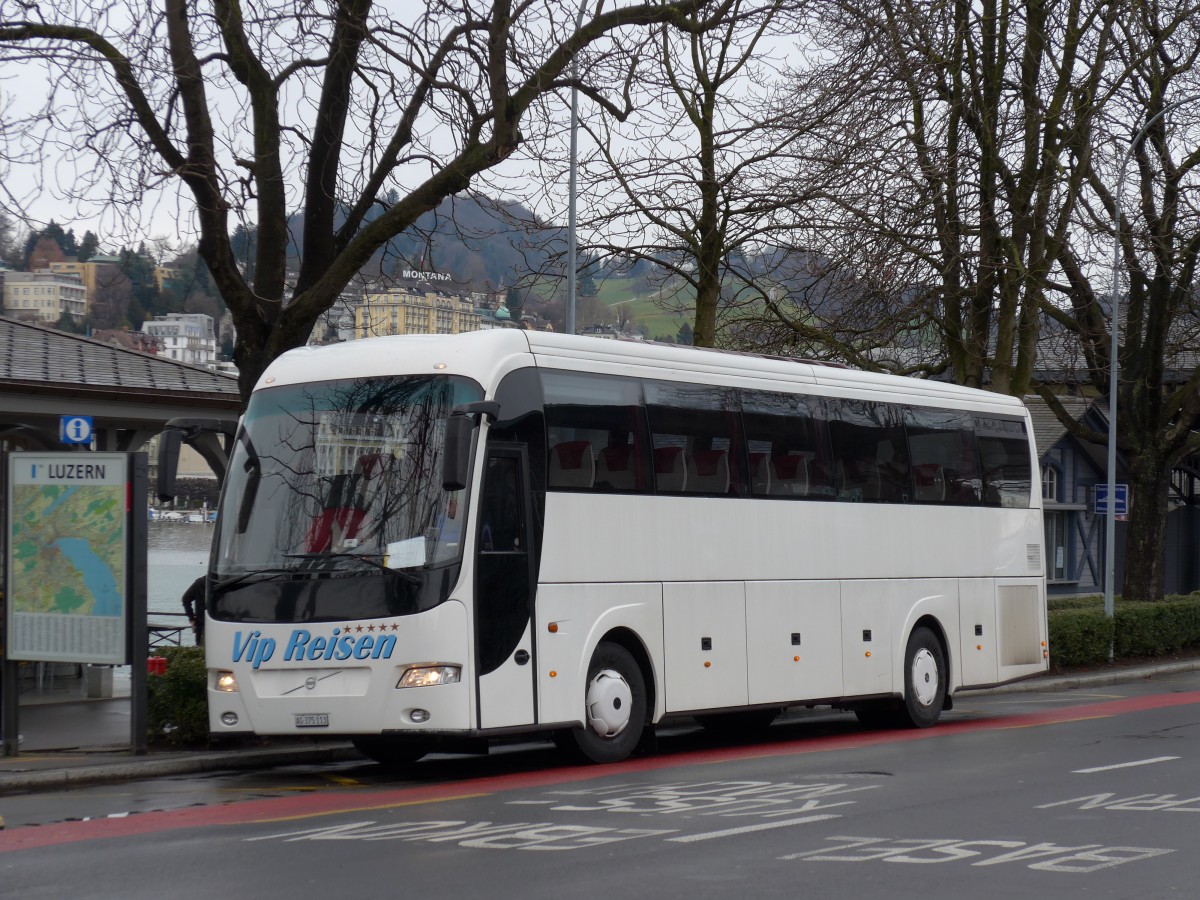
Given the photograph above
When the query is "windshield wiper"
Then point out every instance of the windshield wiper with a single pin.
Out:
(403, 576)
(268, 575)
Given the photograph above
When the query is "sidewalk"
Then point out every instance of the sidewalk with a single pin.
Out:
(69, 739)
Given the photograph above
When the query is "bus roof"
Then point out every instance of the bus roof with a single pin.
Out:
(486, 356)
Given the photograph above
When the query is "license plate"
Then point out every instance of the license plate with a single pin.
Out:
(312, 720)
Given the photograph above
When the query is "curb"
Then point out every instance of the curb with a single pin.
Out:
(1087, 679)
(143, 767)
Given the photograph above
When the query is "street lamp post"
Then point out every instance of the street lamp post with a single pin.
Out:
(571, 180)
(1110, 531)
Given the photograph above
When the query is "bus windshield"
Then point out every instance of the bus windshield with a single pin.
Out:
(342, 476)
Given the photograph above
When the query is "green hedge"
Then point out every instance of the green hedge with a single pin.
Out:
(1080, 633)
(1089, 602)
(178, 700)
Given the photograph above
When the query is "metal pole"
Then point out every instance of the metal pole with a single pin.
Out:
(9, 671)
(9, 706)
(136, 592)
(1110, 529)
(571, 180)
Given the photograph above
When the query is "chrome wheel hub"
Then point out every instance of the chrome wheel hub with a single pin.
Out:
(924, 677)
(609, 703)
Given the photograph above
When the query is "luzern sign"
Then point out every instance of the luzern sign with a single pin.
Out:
(68, 556)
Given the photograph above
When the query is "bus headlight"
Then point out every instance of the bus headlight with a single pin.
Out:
(227, 682)
(425, 676)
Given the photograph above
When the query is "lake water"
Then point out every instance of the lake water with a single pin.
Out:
(177, 555)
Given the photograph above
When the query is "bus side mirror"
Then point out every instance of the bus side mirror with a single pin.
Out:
(456, 458)
(168, 463)
(457, 455)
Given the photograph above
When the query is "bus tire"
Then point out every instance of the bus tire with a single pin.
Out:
(392, 752)
(614, 706)
(749, 722)
(924, 679)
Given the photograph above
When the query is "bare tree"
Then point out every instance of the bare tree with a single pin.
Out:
(690, 182)
(8, 237)
(109, 307)
(255, 109)
(1158, 397)
(956, 204)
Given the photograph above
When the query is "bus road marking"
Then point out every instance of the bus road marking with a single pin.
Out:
(747, 829)
(1044, 857)
(727, 799)
(541, 836)
(1124, 765)
(1135, 803)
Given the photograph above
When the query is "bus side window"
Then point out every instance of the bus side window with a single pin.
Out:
(615, 468)
(596, 433)
(871, 452)
(571, 465)
(945, 463)
(788, 444)
(701, 422)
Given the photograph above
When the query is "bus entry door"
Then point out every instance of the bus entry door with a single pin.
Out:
(503, 592)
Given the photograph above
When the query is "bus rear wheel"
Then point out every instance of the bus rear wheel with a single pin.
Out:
(614, 707)
(393, 752)
(924, 680)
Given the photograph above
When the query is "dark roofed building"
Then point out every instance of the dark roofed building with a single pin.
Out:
(46, 374)
(1071, 468)
(1075, 533)
(130, 340)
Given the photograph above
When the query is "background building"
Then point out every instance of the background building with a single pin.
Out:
(164, 275)
(414, 310)
(98, 272)
(185, 337)
(44, 296)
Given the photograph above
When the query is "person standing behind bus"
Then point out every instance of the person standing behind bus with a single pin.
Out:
(193, 605)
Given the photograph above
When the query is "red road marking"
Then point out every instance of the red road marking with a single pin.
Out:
(306, 805)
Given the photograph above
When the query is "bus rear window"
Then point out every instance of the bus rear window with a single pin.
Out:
(1004, 458)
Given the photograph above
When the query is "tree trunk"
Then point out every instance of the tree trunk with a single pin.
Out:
(1145, 541)
(708, 292)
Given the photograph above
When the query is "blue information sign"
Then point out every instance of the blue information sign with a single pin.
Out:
(1121, 506)
(75, 429)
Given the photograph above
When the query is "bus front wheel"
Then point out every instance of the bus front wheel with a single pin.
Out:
(614, 706)
(924, 679)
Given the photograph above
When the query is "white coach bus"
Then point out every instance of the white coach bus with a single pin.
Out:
(426, 542)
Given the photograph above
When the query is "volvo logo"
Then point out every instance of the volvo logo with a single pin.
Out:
(311, 681)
